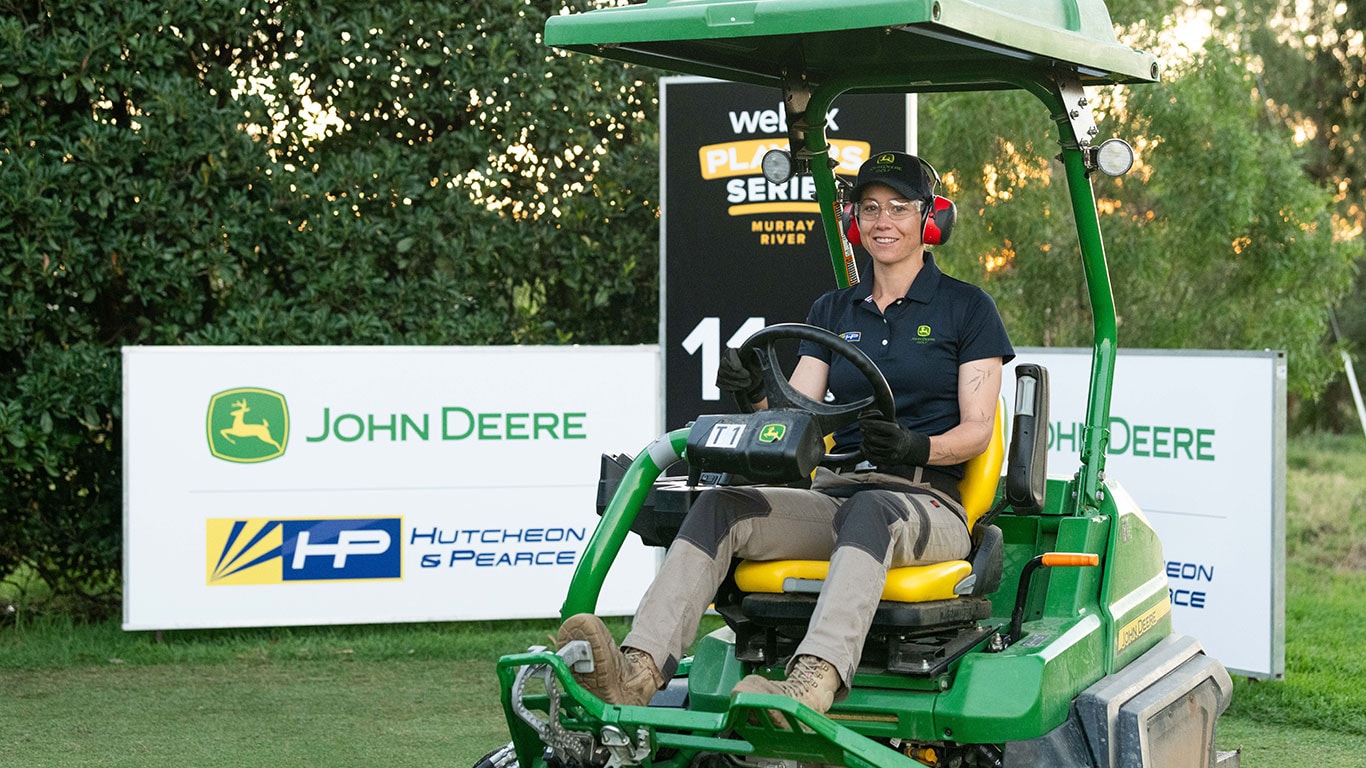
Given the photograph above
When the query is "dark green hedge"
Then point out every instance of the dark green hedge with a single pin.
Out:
(165, 179)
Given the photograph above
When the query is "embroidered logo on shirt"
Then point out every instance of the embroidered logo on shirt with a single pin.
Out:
(852, 336)
(922, 331)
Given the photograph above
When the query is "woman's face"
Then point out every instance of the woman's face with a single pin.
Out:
(888, 237)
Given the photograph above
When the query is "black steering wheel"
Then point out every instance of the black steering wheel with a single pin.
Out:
(829, 417)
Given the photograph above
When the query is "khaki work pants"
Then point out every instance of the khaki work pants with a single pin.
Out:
(897, 524)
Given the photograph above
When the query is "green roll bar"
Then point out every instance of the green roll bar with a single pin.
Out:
(815, 50)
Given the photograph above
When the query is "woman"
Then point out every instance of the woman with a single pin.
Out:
(941, 345)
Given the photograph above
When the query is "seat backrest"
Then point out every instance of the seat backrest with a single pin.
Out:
(982, 473)
(1027, 464)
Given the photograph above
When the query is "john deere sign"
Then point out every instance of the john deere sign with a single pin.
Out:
(248, 425)
(346, 485)
(1198, 440)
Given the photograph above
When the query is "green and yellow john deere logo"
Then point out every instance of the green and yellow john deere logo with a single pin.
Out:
(887, 158)
(923, 331)
(248, 425)
(772, 433)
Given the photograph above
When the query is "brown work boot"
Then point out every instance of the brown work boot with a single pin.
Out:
(619, 676)
(813, 682)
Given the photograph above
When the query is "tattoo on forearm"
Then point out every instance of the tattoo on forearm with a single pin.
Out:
(978, 378)
(955, 457)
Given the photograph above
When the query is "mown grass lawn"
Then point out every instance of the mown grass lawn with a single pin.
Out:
(420, 695)
(411, 695)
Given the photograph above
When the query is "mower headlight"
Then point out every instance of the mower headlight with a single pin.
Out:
(777, 166)
(1114, 157)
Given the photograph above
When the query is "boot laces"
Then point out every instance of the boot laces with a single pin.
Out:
(807, 671)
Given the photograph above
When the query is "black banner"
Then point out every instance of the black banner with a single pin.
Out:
(739, 253)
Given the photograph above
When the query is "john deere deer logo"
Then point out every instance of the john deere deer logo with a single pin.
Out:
(772, 433)
(248, 425)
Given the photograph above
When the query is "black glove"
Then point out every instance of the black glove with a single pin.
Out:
(888, 444)
(733, 376)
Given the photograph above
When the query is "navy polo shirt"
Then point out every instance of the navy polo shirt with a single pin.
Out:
(918, 344)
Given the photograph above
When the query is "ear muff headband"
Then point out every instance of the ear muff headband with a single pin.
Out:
(939, 211)
(939, 214)
(935, 228)
(939, 217)
(851, 232)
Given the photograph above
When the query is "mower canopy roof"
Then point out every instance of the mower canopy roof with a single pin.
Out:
(861, 45)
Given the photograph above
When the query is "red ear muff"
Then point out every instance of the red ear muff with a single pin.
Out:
(939, 221)
(851, 232)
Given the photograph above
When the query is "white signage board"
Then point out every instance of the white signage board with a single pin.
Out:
(279, 486)
(1198, 440)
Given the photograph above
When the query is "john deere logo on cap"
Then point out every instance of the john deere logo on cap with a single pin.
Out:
(772, 433)
(923, 330)
(887, 158)
(248, 424)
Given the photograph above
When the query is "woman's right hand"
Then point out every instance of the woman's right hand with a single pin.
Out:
(733, 376)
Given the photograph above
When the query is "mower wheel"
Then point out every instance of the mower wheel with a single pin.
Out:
(502, 757)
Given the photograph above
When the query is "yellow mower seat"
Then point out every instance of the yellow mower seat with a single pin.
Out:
(909, 584)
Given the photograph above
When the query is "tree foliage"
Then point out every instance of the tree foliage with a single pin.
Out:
(1310, 62)
(288, 173)
(1217, 239)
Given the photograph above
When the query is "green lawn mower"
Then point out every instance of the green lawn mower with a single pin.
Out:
(1052, 643)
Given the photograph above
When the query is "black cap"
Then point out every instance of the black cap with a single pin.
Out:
(898, 170)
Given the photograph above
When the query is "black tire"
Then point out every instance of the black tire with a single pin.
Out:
(502, 757)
